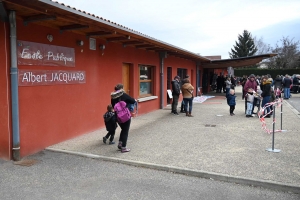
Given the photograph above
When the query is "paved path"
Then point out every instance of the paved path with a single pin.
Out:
(212, 144)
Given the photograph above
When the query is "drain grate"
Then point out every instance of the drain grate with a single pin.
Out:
(26, 163)
(210, 125)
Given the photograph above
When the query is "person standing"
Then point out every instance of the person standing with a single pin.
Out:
(266, 94)
(250, 83)
(175, 94)
(182, 109)
(287, 82)
(228, 85)
(243, 81)
(231, 101)
(116, 96)
(250, 98)
(187, 92)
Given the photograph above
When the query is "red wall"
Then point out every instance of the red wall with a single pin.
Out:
(5, 111)
(53, 113)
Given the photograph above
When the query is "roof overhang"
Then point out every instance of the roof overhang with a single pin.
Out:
(236, 62)
(64, 18)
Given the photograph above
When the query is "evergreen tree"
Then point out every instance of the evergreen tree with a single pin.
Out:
(244, 46)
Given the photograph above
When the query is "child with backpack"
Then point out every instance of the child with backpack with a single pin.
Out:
(110, 124)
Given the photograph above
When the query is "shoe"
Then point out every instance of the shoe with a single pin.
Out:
(104, 140)
(112, 142)
(247, 116)
(125, 150)
(254, 113)
(120, 145)
(191, 115)
(175, 113)
(182, 111)
(251, 116)
(231, 114)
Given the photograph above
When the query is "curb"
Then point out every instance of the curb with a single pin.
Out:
(197, 173)
(292, 108)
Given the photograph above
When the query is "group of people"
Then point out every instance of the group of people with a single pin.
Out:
(257, 92)
(185, 87)
(224, 83)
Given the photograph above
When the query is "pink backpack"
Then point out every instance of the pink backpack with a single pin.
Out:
(123, 113)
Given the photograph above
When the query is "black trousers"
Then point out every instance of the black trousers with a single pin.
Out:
(175, 103)
(124, 132)
(231, 109)
(111, 134)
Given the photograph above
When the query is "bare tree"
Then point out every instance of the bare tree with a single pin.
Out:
(288, 54)
(262, 47)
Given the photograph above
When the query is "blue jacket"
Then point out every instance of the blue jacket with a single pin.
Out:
(231, 100)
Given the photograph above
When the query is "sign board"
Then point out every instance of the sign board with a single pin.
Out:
(31, 53)
(50, 77)
(170, 94)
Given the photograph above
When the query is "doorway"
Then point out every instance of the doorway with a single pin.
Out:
(169, 80)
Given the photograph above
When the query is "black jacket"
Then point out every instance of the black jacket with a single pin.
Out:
(175, 87)
(287, 82)
(120, 95)
(110, 121)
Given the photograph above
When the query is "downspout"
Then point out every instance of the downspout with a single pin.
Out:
(162, 56)
(14, 86)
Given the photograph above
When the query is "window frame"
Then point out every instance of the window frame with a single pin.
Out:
(151, 81)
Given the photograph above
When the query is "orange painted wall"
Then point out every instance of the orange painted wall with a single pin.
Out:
(5, 110)
(54, 113)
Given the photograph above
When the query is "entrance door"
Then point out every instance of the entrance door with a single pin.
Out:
(169, 80)
(126, 77)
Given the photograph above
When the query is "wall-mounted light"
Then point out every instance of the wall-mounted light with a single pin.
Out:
(80, 43)
(102, 46)
(50, 37)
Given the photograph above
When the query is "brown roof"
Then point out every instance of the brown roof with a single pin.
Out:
(66, 18)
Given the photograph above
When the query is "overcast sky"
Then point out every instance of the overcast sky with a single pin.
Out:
(208, 27)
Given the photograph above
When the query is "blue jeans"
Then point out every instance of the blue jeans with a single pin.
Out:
(287, 93)
(266, 100)
(249, 108)
(188, 101)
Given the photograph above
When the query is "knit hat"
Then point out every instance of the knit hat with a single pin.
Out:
(252, 76)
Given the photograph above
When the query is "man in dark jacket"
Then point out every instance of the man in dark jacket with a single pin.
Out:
(175, 94)
(287, 82)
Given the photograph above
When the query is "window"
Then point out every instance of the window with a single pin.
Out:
(181, 72)
(146, 80)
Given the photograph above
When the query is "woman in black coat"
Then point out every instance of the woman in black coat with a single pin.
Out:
(120, 95)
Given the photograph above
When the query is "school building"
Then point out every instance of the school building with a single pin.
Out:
(59, 65)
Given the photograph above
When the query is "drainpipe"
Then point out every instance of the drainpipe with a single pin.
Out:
(14, 86)
(162, 56)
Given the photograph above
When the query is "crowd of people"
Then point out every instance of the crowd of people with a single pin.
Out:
(258, 91)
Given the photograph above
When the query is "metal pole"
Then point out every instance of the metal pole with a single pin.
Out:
(281, 115)
(273, 135)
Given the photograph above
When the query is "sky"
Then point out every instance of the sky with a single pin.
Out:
(207, 27)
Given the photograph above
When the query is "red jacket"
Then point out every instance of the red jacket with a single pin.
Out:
(250, 84)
